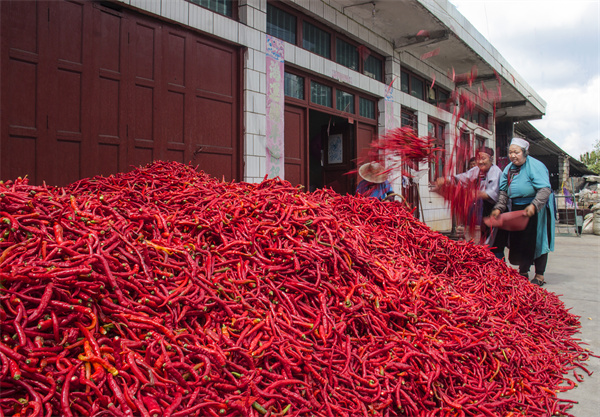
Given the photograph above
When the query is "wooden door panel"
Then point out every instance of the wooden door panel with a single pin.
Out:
(108, 128)
(364, 137)
(21, 120)
(295, 168)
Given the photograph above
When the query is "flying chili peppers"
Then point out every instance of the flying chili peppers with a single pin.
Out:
(164, 292)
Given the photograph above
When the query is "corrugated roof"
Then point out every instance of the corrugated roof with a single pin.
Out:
(542, 146)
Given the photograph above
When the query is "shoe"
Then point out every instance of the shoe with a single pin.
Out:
(537, 281)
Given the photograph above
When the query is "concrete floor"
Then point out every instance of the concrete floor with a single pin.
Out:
(573, 273)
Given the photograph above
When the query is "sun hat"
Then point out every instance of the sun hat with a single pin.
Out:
(373, 172)
(520, 142)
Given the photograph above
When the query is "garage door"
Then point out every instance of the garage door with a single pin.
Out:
(90, 90)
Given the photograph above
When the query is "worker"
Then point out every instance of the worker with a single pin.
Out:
(375, 181)
(487, 177)
(525, 185)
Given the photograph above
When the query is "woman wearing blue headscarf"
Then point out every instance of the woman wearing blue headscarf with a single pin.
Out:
(525, 185)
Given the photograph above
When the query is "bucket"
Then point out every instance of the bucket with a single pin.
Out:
(512, 221)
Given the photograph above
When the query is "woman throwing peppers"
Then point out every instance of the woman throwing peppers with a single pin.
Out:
(525, 185)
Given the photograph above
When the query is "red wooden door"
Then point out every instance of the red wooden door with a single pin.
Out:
(296, 143)
(88, 90)
(365, 135)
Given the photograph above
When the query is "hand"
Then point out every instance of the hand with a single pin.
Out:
(495, 213)
(530, 210)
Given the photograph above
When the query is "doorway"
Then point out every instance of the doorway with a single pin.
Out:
(332, 152)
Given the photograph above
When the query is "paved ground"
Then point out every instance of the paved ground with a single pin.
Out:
(573, 273)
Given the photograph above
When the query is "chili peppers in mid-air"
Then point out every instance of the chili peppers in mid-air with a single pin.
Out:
(164, 292)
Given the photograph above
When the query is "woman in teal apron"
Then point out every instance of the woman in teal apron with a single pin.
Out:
(525, 185)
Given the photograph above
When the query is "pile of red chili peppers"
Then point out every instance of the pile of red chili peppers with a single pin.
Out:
(164, 292)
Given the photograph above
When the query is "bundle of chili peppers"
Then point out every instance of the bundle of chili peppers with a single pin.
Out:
(164, 292)
(402, 145)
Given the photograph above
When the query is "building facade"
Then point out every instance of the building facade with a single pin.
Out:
(248, 89)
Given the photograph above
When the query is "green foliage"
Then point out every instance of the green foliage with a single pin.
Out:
(592, 159)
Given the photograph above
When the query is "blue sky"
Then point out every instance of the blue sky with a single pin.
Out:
(554, 45)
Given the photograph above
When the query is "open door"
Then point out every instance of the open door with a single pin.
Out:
(339, 156)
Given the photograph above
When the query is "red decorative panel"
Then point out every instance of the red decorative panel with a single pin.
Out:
(108, 107)
(295, 145)
(70, 31)
(175, 59)
(142, 49)
(19, 83)
(216, 67)
(68, 102)
(174, 116)
(109, 45)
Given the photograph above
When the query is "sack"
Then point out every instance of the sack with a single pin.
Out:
(596, 221)
(588, 224)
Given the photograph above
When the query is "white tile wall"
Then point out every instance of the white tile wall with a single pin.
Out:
(341, 21)
(249, 145)
(201, 18)
(260, 62)
(252, 166)
(225, 28)
(317, 63)
(246, 15)
(153, 6)
(249, 101)
(353, 27)
(316, 7)
(177, 10)
(260, 20)
(260, 145)
(260, 102)
(255, 40)
(252, 122)
(252, 80)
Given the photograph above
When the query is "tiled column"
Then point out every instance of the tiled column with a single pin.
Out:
(253, 15)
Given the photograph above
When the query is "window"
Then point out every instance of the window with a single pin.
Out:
(408, 118)
(420, 88)
(344, 101)
(284, 23)
(405, 79)
(436, 131)
(281, 24)
(374, 68)
(479, 142)
(413, 85)
(417, 86)
(366, 108)
(346, 54)
(293, 86)
(316, 40)
(442, 99)
(321, 94)
(224, 7)
(477, 116)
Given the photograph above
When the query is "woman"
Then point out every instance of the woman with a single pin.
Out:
(487, 177)
(525, 185)
(374, 183)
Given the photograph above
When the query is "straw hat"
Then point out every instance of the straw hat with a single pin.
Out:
(373, 172)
